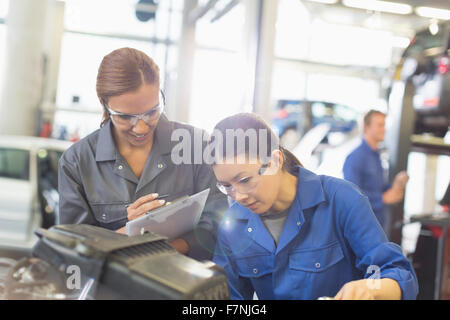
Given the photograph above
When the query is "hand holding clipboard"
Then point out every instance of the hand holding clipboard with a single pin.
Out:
(172, 220)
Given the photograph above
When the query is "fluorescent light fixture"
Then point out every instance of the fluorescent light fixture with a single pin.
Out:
(434, 28)
(436, 13)
(383, 6)
(325, 1)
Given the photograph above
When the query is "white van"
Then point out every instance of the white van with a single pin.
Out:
(28, 188)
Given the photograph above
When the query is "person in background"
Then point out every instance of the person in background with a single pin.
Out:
(292, 234)
(363, 167)
(115, 174)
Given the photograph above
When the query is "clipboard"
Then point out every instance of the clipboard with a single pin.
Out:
(171, 220)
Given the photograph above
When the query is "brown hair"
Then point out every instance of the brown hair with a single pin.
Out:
(368, 116)
(246, 121)
(124, 70)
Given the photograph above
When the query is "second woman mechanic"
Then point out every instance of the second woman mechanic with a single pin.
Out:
(114, 174)
(292, 234)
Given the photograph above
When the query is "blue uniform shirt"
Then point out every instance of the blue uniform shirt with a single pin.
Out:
(330, 237)
(363, 167)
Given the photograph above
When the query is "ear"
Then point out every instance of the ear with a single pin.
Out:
(365, 127)
(276, 161)
(101, 101)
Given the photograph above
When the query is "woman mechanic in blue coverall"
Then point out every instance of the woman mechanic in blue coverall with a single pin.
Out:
(292, 234)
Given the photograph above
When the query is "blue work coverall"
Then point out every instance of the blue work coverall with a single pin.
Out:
(330, 237)
(363, 167)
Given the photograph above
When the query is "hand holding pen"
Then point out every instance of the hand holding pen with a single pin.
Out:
(145, 204)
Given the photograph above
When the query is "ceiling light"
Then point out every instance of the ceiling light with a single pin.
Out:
(383, 6)
(325, 1)
(433, 27)
(436, 13)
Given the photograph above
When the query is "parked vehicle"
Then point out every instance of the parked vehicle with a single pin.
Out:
(293, 118)
(426, 63)
(28, 187)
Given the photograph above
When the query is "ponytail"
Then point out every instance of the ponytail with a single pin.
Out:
(105, 118)
(291, 162)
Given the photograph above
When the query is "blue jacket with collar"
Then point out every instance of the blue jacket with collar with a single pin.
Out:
(330, 237)
(363, 167)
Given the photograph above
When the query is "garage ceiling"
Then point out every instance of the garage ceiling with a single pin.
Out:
(441, 4)
(402, 25)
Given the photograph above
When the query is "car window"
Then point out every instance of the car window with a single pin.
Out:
(344, 113)
(14, 163)
(290, 105)
(318, 109)
(322, 110)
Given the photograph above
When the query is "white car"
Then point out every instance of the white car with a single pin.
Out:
(28, 188)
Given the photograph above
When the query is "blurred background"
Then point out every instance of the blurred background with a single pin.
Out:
(311, 68)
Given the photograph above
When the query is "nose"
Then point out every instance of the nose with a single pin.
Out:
(141, 127)
(239, 197)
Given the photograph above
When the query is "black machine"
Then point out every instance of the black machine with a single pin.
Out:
(445, 201)
(431, 259)
(88, 262)
(426, 63)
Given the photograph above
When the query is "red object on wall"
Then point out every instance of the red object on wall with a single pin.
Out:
(46, 130)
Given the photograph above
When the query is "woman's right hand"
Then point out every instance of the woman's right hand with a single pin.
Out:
(143, 205)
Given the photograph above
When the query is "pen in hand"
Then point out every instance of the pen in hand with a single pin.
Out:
(144, 204)
(159, 197)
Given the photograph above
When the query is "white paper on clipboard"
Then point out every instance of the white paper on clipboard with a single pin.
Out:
(172, 220)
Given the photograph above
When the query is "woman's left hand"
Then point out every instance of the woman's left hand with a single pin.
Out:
(355, 290)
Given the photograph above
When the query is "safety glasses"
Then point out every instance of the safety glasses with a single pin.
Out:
(130, 120)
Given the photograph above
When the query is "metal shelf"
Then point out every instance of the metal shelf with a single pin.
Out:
(430, 145)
